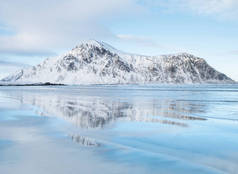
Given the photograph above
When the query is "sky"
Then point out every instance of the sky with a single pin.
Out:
(31, 31)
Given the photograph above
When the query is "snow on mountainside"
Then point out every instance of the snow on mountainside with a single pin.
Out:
(96, 62)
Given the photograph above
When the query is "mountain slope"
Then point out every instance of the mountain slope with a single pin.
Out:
(93, 62)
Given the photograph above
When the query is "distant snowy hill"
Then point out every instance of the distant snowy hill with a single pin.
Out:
(96, 62)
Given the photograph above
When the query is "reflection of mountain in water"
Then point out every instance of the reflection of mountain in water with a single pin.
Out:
(96, 112)
(85, 141)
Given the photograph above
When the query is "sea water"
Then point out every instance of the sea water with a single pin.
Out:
(119, 129)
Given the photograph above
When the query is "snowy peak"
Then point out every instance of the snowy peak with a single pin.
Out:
(94, 62)
(92, 44)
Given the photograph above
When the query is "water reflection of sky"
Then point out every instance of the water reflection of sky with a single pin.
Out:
(158, 129)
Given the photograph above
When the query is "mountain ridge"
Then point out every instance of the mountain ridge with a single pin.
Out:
(95, 62)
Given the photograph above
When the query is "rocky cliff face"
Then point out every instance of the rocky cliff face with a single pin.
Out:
(98, 63)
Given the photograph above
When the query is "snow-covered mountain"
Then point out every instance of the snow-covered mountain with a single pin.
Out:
(96, 62)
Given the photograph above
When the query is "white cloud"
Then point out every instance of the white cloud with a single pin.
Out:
(12, 64)
(147, 45)
(234, 53)
(220, 7)
(38, 26)
(140, 40)
(227, 9)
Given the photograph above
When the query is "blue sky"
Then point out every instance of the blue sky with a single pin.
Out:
(31, 31)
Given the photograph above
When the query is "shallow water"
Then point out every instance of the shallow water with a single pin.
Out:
(119, 129)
